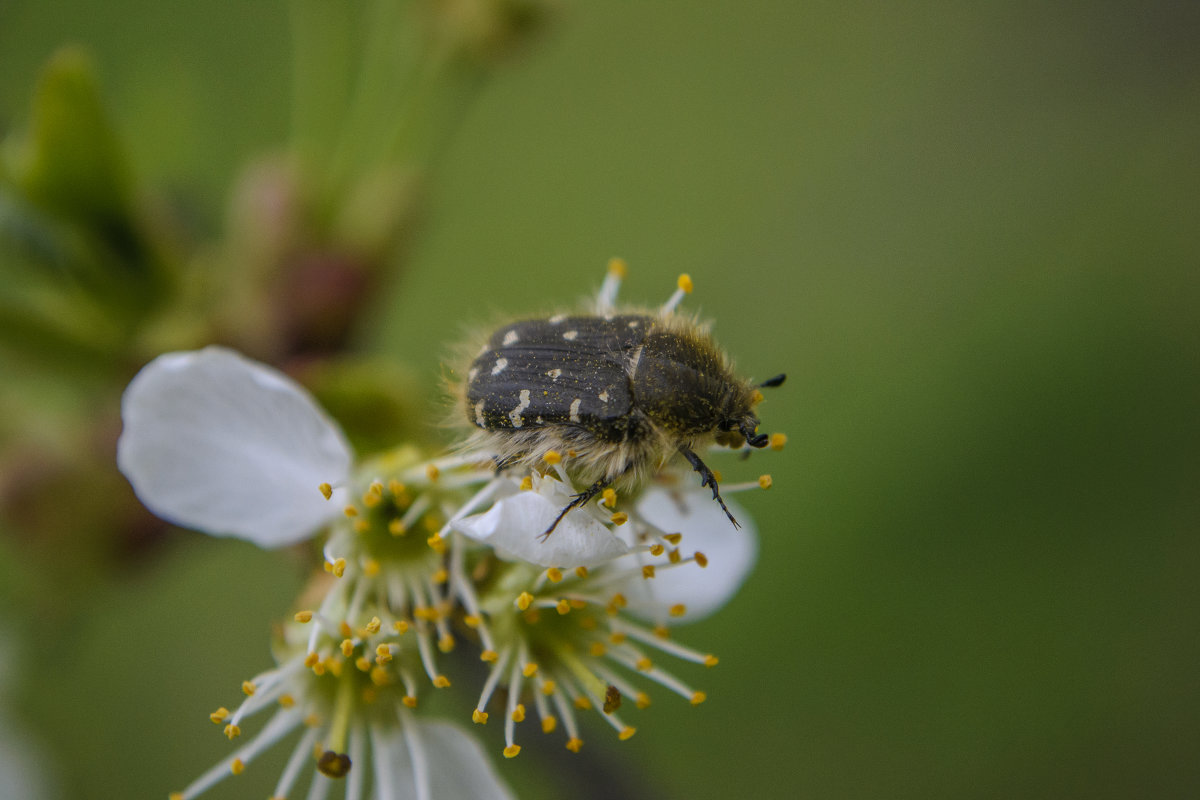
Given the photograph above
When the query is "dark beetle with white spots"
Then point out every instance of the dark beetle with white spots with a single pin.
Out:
(619, 394)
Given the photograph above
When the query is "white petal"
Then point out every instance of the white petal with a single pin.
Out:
(731, 554)
(217, 442)
(453, 764)
(514, 525)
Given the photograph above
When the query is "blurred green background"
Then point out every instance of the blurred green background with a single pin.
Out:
(969, 234)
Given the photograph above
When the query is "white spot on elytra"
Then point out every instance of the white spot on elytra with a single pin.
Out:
(479, 415)
(575, 409)
(557, 318)
(570, 335)
(501, 363)
(472, 373)
(603, 396)
(540, 421)
(515, 414)
(510, 339)
(554, 373)
(633, 323)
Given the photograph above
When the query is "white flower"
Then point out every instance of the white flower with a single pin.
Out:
(217, 442)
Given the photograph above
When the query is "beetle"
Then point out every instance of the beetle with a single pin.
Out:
(622, 394)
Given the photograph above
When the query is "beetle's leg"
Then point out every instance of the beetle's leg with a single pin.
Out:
(578, 500)
(707, 479)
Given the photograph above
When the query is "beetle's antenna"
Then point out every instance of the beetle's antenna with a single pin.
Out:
(771, 383)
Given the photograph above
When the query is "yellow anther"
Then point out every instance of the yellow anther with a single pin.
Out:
(369, 694)
(626, 733)
(425, 613)
(441, 682)
(379, 676)
(440, 576)
(401, 626)
(597, 649)
(326, 490)
(674, 538)
(778, 440)
(644, 664)
(370, 500)
(376, 488)
(311, 660)
(662, 631)
(756, 398)
(532, 616)
(642, 700)
(583, 704)
(350, 511)
(609, 497)
(374, 625)
(219, 716)
(338, 568)
(512, 750)
(526, 484)
(472, 620)
(581, 572)
(518, 714)
(232, 731)
(362, 525)
(574, 743)
(563, 607)
(363, 663)
(370, 567)
(618, 600)
(529, 670)
(698, 698)
(674, 556)
(431, 523)
(396, 528)
(710, 660)
(286, 701)
(552, 457)
(479, 717)
(524, 600)
(490, 656)
(618, 267)
(436, 543)
(678, 610)
(701, 559)
(657, 549)
(446, 643)
(432, 472)
(345, 630)
(318, 669)
(549, 723)
(616, 637)
(764, 481)
(313, 721)
(347, 647)
(237, 766)
(303, 616)
(409, 701)
(396, 487)
(587, 623)
(648, 571)
(175, 796)
(554, 574)
(549, 687)
(383, 654)
(620, 518)
(685, 283)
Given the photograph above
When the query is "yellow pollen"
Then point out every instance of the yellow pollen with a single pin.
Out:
(578, 603)
(383, 654)
(574, 743)
(432, 472)
(350, 511)
(335, 666)
(582, 703)
(701, 559)
(409, 701)
(436, 543)
(644, 664)
(175, 796)
(237, 767)
(524, 599)
(549, 723)
(618, 267)
(512, 750)
(764, 481)
(313, 721)
(552, 457)
(554, 574)
(326, 490)
(374, 625)
(441, 682)
(380, 677)
(597, 649)
(303, 616)
(318, 669)
(717, 475)
(376, 488)
(219, 716)
(657, 549)
(347, 647)
(757, 397)
(526, 484)
(338, 568)
(396, 527)
(581, 572)
(685, 283)
(362, 525)
(446, 643)
(678, 610)
(396, 487)
(648, 571)
(610, 497)
(674, 538)
(440, 576)
(616, 637)
(311, 659)
(370, 499)
(620, 518)
(626, 733)
(232, 731)
(698, 698)
(426, 613)
(431, 522)
(674, 556)
(286, 700)
(710, 660)
(479, 717)
(472, 620)
(529, 670)
(618, 600)
(370, 568)
(363, 663)
(401, 626)
(642, 700)
(518, 714)
(563, 606)
(490, 656)
(778, 440)
(549, 687)
(345, 629)
(662, 631)
(572, 454)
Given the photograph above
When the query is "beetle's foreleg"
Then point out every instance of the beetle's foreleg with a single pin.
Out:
(707, 479)
(578, 500)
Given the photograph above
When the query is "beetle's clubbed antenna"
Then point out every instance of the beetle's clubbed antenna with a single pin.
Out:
(773, 383)
(606, 299)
